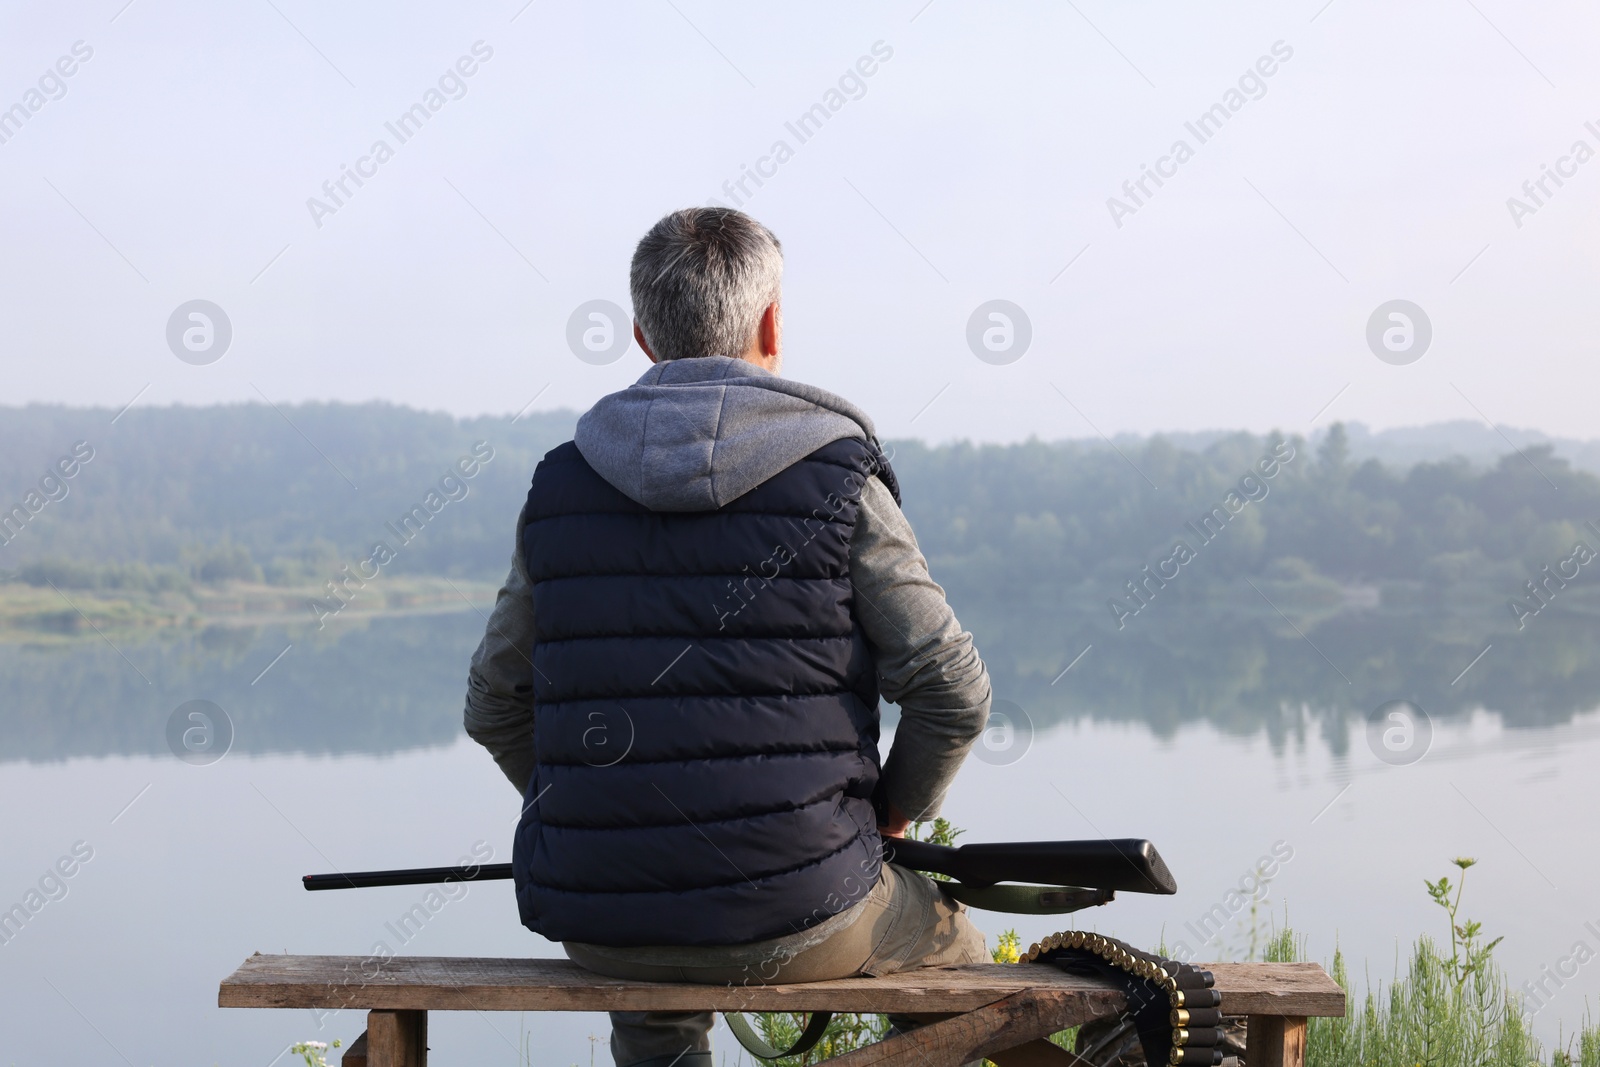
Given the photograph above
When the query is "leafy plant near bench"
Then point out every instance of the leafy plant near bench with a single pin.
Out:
(1447, 1010)
(315, 1053)
(1454, 1010)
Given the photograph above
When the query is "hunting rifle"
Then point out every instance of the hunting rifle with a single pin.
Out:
(1063, 876)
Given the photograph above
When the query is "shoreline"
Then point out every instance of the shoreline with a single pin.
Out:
(44, 615)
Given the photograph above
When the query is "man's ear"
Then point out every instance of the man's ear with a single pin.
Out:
(638, 336)
(771, 330)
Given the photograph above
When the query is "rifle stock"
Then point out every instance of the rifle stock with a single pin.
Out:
(1129, 865)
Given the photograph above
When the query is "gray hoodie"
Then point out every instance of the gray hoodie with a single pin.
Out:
(692, 435)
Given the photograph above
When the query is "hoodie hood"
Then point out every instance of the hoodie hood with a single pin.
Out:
(693, 434)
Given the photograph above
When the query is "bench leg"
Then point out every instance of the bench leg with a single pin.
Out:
(397, 1038)
(356, 1054)
(1276, 1041)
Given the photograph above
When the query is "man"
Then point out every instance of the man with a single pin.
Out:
(712, 585)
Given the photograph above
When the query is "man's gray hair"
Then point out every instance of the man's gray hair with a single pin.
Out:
(700, 280)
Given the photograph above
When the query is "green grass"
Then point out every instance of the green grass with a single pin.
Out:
(1445, 1010)
(1425, 1018)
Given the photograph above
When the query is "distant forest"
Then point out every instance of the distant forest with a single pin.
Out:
(288, 496)
(1035, 519)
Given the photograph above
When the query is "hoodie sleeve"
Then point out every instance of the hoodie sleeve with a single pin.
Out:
(926, 663)
(499, 711)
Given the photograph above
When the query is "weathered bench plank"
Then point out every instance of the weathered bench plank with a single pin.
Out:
(1010, 1025)
(433, 983)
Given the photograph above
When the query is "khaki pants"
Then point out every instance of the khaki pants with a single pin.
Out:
(905, 922)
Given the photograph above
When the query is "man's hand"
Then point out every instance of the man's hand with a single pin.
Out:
(897, 823)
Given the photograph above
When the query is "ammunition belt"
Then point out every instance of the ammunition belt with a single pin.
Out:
(1173, 1006)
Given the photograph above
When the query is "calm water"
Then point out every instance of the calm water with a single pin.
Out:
(348, 755)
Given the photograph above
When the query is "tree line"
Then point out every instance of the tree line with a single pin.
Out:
(249, 492)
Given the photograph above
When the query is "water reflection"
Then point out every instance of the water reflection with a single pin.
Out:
(1249, 670)
(386, 685)
(374, 686)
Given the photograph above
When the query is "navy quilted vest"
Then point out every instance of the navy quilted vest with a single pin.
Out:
(706, 720)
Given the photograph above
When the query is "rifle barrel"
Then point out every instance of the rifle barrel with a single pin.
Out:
(413, 876)
(1130, 865)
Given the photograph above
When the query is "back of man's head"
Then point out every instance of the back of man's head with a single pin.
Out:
(701, 279)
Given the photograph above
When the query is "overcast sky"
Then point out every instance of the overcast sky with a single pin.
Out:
(976, 162)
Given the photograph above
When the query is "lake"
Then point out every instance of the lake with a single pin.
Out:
(1219, 741)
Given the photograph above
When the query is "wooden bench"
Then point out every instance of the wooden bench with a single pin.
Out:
(998, 1011)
